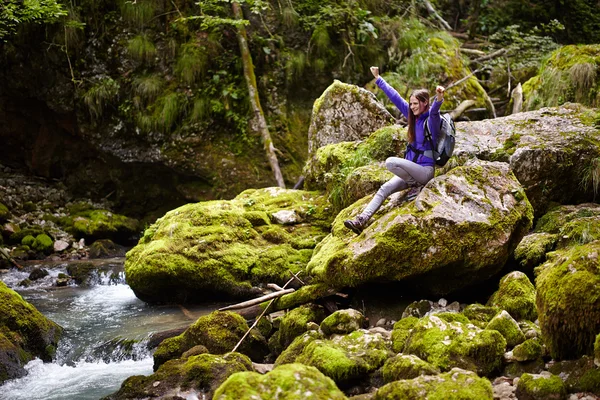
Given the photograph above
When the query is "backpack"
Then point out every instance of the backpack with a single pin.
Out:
(446, 138)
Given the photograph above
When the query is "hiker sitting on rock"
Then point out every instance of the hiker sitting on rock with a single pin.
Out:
(417, 166)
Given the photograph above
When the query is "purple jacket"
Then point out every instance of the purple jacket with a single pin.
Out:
(421, 142)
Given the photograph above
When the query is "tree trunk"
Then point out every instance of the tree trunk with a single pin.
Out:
(253, 94)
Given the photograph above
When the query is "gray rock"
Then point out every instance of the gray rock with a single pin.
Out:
(61, 245)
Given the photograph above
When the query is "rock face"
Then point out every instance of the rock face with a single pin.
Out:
(568, 300)
(345, 113)
(221, 249)
(545, 150)
(462, 227)
(24, 334)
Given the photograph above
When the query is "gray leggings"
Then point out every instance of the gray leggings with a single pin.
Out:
(407, 174)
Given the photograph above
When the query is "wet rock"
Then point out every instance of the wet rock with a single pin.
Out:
(38, 273)
(579, 375)
(105, 248)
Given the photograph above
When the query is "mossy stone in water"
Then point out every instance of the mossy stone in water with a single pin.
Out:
(544, 386)
(515, 294)
(285, 382)
(406, 366)
(453, 385)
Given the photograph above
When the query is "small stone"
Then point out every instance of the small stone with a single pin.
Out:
(155, 384)
(381, 322)
(61, 245)
(442, 302)
(286, 217)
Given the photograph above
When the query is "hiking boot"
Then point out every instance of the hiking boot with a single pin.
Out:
(413, 193)
(357, 224)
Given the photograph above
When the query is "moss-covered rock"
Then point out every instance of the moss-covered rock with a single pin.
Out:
(4, 213)
(508, 327)
(93, 224)
(571, 224)
(343, 322)
(579, 375)
(105, 248)
(569, 74)
(516, 295)
(530, 349)
(28, 240)
(568, 300)
(43, 243)
(406, 366)
(294, 324)
(198, 374)
(453, 385)
(24, 334)
(480, 315)
(219, 332)
(211, 250)
(446, 345)
(401, 332)
(343, 358)
(544, 386)
(460, 229)
(362, 113)
(286, 382)
(531, 251)
(516, 369)
(554, 145)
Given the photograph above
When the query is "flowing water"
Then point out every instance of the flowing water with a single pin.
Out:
(106, 332)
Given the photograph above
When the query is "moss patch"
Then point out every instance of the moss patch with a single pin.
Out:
(541, 387)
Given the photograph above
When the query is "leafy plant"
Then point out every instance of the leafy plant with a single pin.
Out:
(100, 95)
(14, 13)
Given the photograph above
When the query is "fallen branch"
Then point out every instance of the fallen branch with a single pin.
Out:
(462, 107)
(9, 258)
(458, 82)
(258, 300)
(472, 52)
(274, 286)
(495, 54)
(432, 11)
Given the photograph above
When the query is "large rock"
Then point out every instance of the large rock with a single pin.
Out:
(568, 300)
(516, 295)
(24, 334)
(345, 113)
(460, 230)
(286, 382)
(221, 249)
(546, 149)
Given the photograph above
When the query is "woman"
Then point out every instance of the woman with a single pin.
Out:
(417, 168)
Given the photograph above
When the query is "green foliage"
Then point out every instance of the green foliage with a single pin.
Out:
(15, 13)
(191, 63)
(591, 177)
(141, 48)
(138, 13)
(101, 95)
(200, 109)
(168, 109)
(148, 87)
(295, 65)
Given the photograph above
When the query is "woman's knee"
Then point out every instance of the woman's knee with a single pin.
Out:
(392, 163)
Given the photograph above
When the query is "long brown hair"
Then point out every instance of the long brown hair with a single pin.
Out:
(423, 96)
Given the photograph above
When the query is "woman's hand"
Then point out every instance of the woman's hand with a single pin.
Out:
(439, 91)
(375, 72)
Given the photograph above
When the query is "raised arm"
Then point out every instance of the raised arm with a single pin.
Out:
(390, 92)
(434, 113)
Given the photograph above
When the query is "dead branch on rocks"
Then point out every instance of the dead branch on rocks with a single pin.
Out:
(258, 300)
(9, 258)
(472, 52)
(441, 20)
(495, 54)
(462, 107)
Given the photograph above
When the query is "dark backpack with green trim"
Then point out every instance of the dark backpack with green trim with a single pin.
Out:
(445, 145)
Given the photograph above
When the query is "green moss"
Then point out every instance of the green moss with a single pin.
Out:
(568, 300)
(541, 387)
(28, 240)
(454, 385)
(294, 323)
(343, 322)
(286, 382)
(401, 332)
(296, 348)
(93, 224)
(531, 251)
(580, 375)
(597, 350)
(531, 349)
(43, 243)
(453, 317)
(516, 295)
(479, 314)
(404, 366)
(508, 327)
(4, 213)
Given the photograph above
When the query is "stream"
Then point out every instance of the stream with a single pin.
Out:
(105, 337)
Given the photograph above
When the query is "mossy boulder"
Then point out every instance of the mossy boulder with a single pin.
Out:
(296, 348)
(531, 251)
(544, 386)
(343, 358)
(294, 323)
(579, 375)
(569, 74)
(343, 322)
(530, 349)
(199, 374)
(219, 332)
(508, 327)
(571, 224)
(345, 113)
(105, 248)
(446, 345)
(102, 224)
(4, 213)
(456, 384)
(516, 295)
(28, 240)
(545, 150)
(460, 230)
(406, 366)
(285, 382)
(348, 171)
(401, 332)
(480, 315)
(568, 300)
(222, 249)
(43, 243)
(24, 334)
